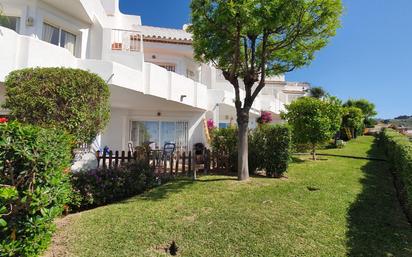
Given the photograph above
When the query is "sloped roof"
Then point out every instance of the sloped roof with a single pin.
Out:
(164, 33)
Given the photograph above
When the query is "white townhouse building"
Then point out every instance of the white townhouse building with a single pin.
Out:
(158, 92)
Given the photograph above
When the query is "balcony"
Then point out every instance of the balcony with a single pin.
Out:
(124, 47)
(174, 87)
(134, 73)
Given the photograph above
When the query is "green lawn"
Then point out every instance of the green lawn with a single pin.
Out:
(350, 210)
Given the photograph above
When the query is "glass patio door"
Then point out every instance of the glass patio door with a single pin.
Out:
(160, 133)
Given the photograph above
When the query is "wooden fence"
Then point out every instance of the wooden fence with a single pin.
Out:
(178, 162)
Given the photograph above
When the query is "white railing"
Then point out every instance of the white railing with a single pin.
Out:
(126, 40)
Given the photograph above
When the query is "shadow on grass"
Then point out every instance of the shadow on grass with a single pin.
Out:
(295, 159)
(377, 225)
(178, 185)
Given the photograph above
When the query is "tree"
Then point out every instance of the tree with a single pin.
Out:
(368, 108)
(313, 121)
(353, 119)
(250, 40)
(70, 99)
(317, 92)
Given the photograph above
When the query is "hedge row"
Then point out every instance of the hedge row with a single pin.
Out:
(398, 150)
(35, 186)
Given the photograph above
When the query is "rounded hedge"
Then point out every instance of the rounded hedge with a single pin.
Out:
(70, 99)
(34, 186)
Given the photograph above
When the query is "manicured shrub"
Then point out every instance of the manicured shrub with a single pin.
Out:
(101, 186)
(270, 149)
(224, 141)
(398, 150)
(34, 186)
(313, 121)
(70, 99)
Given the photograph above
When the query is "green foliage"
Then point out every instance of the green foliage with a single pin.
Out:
(101, 186)
(368, 108)
(288, 32)
(339, 143)
(252, 39)
(34, 186)
(270, 149)
(70, 99)
(353, 119)
(317, 92)
(398, 150)
(313, 121)
(370, 122)
(224, 141)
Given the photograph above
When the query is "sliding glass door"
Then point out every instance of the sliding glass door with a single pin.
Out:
(159, 133)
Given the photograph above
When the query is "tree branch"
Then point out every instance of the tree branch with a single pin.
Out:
(262, 69)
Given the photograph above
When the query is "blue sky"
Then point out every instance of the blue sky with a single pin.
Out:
(370, 57)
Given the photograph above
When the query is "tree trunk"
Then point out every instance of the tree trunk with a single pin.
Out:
(314, 152)
(243, 160)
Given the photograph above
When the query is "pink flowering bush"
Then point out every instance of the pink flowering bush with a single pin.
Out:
(210, 124)
(265, 117)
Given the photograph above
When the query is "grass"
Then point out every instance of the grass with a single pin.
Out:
(332, 207)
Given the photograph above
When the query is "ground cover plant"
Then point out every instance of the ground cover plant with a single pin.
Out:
(332, 207)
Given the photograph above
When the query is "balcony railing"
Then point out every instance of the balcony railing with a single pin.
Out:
(126, 40)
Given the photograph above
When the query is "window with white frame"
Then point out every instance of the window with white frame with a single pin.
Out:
(10, 22)
(159, 133)
(59, 37)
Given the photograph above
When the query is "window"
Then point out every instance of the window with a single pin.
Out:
(159, 133)
(68, 41)
(223, 125)
(10, 22)
(59, 37)
(51, 34)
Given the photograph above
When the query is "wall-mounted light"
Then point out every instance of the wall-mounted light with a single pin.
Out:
(182, 97)
(153, 56)
(29, 21)
(159, 114)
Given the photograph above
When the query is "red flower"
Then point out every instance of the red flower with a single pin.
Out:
(3, 120)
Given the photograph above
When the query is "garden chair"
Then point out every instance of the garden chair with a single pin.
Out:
(168, 151)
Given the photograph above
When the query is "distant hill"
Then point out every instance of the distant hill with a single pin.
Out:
(403, 117)
(398, 121)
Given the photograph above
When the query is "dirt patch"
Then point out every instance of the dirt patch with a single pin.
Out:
(58, 247)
